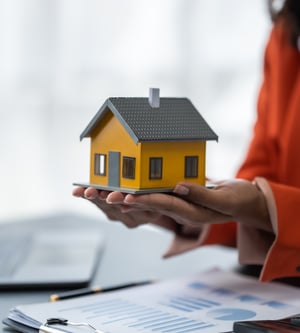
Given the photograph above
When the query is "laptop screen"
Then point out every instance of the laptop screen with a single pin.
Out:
(54, 251)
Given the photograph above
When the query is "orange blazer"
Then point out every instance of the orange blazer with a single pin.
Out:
(274, 154)
(273, 160)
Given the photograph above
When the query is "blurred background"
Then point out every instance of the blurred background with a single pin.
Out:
(60, 60)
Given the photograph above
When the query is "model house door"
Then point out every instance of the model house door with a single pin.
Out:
(114, 168)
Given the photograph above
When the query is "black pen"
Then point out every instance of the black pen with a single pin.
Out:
(93, 290)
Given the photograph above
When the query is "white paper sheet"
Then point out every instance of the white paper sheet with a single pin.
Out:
(206, 302)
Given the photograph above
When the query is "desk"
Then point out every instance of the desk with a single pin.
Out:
(130, 255)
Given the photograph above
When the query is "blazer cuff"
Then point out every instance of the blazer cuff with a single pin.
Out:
(263, 240)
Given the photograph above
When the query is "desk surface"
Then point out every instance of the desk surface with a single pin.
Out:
(130, 255)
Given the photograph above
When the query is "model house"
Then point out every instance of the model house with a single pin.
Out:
(147, 144)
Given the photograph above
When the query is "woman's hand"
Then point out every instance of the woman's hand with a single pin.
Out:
(113, 206)
(190, 205)
(194, 205)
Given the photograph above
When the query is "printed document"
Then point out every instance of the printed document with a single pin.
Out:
(205, 302)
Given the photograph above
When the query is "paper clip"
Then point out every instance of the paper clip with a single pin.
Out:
(65, 322)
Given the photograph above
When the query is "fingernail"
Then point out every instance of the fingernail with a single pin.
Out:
(111, 202)
(182, 190)
(128, 199)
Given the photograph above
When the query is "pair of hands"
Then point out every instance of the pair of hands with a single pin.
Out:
(189, 205)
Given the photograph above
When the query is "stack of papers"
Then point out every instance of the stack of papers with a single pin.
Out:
(205, 302)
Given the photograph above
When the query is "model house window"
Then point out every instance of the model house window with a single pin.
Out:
(128, 167)
(155, 168)
(191, 167)
(100, 164)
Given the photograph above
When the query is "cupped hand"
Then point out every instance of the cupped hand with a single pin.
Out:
(194, 205)
(189, 205)
(113, 206)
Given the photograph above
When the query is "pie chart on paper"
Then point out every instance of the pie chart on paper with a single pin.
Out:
(231, 314)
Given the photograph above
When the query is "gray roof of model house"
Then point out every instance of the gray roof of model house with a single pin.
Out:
(175, 119)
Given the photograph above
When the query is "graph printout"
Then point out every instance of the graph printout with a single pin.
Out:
(206, 302)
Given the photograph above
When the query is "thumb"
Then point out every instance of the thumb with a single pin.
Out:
(207, 197)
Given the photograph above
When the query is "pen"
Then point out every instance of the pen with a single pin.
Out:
(93, 290)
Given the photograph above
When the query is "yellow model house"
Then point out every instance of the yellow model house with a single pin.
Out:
(143, 145)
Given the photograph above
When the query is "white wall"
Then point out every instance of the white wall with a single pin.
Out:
(60, 59)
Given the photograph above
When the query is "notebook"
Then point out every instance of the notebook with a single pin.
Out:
(53, 251)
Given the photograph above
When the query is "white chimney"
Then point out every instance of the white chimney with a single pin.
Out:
(154, 97)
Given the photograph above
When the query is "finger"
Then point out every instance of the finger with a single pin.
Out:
(115, 198)
(153, 200)
(78, 192)
(166, 204)
(158, 201)
(103, 194)
(91, 193)
(178, 209)
(216, 198)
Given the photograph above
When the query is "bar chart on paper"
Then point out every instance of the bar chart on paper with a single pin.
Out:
(138, 317)
(208, 302)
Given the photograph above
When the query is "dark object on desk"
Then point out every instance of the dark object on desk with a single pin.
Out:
(255, 270)
(54, 251)
(66, 322)
(287, 325)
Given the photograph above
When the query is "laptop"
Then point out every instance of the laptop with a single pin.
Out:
(54, 251)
